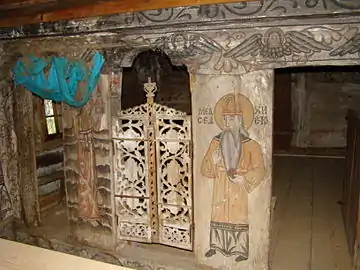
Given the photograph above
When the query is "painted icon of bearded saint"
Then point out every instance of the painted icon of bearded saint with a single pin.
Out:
(235, 163)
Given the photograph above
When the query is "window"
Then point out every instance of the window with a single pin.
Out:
(52, 118)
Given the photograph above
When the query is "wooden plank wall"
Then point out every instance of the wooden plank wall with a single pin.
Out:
(283, 125)
(351, 183)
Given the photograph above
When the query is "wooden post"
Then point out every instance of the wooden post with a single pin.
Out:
(24, 127)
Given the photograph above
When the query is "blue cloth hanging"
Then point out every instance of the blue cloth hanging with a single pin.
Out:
(62, 82)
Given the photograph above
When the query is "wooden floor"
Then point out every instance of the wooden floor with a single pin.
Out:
(307, 228)
(17, 256)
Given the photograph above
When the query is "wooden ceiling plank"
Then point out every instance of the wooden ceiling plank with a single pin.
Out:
(11, 22)
(12, 4)
(45, 7)
(21, 6)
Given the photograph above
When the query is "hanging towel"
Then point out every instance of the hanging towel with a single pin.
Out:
(66, 81)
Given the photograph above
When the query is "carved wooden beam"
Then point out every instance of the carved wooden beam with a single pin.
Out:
(36, 11)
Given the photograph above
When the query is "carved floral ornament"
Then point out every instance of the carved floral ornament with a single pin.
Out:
(233, 10)
(245, 50)
(348, 4)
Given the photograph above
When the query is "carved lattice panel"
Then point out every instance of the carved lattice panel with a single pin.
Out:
(174, 177)
(130, 174)
(152, 172)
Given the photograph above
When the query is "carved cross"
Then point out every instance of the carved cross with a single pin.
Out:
(150, 88)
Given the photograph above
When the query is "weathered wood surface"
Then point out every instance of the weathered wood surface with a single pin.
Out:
(307, 229)
(245, 200)
(157, 138)
(87, 161)
(39, 11)
(20, 256)
(215, 52)
(24, 128)
(351, 183)
(8, 146)
(283, 126)
(247, 14)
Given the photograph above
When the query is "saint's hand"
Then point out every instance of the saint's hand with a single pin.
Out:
(238, 179)
(216, 156)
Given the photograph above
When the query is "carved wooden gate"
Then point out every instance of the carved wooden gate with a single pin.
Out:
(153, 174)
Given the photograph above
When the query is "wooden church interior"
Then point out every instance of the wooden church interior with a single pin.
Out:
(173, 91)
(315, 190)
(315, 174)
(309, 174)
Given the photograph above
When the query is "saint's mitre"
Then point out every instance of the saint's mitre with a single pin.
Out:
(231, 106)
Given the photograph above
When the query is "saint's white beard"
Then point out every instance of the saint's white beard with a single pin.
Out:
(231, 146)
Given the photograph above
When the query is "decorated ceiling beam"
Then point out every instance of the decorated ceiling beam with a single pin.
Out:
(257, 13)
(24, 12)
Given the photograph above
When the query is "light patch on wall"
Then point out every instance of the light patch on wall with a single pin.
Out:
(49, 169)
(50, 118)
(50, 187)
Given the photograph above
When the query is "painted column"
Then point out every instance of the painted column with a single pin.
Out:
(232, 120)
(87, 165)
(9, 181)
(26, 156)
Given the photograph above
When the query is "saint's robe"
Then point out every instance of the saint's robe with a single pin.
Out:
(229, 218)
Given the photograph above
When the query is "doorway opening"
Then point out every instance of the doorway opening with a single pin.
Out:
(152, 141)
(49, 151)
(310, 223)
